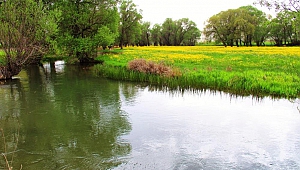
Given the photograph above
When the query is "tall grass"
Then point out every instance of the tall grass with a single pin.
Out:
(258, 71)
(262, 84)
(2, 57)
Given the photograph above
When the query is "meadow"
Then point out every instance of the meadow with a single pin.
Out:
(259, 71)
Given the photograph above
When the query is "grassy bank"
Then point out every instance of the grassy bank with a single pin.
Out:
(259, 71)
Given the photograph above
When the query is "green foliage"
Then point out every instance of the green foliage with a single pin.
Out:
(27, 24)
(104, 37)
(284, 29)
(27, 31)
(130, 27)
(86, 25)
(2, 57)
(261, 25)
(247, 24)
(145, 34)
(232, 26)
(175, 33)
(156, 35)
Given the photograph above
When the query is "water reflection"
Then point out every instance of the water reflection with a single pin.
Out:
(297, 103)
(63, 117)
(212, 131)
(66, 119)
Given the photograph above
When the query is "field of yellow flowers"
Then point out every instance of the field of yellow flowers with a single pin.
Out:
(259, 71)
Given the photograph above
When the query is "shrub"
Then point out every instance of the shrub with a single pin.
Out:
(149, 67)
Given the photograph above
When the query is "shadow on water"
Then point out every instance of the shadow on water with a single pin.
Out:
(62, 117)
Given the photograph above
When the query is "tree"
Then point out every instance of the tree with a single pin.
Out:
(231, 26)
(288, 16)
(260, 22)
(26, 32)
(215, 29)
(156, 35)
(168, 32)
(179, 32)
(130, 28)
(188, 33)
(86, 25)
(282, 29)
(145, 34)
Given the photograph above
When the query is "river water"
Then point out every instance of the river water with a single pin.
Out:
(65, 117)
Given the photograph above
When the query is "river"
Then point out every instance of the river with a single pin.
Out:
(64, 117)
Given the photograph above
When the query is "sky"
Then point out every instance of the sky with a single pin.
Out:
(156, 11)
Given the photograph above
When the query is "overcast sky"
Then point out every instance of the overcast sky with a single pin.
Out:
(156, 11)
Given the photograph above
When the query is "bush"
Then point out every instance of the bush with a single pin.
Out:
(143, 66)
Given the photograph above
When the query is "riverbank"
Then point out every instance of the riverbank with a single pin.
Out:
(259, 71)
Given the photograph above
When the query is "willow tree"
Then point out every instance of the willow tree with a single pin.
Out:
(285, 27)
(86, 25)
(260, 22)
(130, 26)
(175, 32)
(155, 33)
(187, 32)
(145, 34)
(231, 26)
(25, 34)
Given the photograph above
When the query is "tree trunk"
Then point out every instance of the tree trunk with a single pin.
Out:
(258, 43)
(237, 43)
(231, 43)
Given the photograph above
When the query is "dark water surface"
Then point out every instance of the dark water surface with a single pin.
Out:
(64, 117)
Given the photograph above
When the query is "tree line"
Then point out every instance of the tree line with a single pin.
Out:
(249, 26)
(77, 28)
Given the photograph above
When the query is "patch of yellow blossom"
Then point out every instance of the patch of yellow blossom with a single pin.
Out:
(278, 51)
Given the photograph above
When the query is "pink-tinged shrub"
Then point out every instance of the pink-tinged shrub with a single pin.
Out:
(150, 67)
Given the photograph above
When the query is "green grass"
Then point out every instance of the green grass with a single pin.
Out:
(265, 71)
(248, 83)
(2, 57)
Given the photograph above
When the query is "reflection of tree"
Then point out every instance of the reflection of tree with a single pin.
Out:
(9, 91)
(70, 120)
(128, 92)
(9, 113)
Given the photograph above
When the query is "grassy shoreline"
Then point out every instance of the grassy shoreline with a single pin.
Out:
(259, 71)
